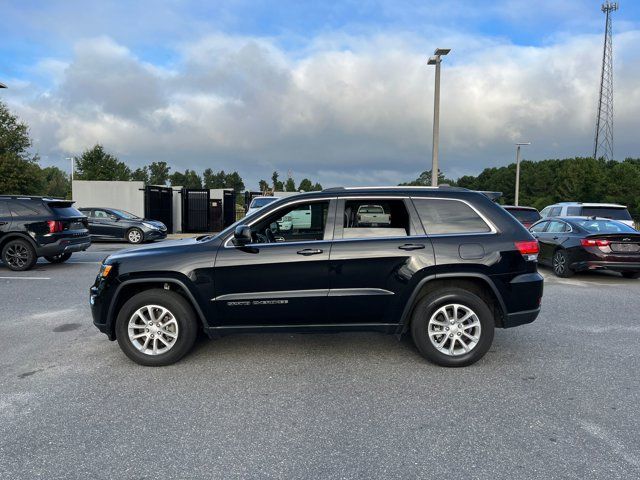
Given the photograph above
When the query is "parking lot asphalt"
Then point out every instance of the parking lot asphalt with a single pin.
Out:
(555, 399)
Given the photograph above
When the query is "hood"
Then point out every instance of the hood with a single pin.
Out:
(151, 250)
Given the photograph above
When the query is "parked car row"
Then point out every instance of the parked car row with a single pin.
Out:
(575, 237)
(33, 227)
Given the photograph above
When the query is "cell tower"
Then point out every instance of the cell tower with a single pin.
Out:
(603, 143)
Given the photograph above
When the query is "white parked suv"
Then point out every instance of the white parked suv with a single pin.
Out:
(373, 216)
(612, 211)
(258, 202)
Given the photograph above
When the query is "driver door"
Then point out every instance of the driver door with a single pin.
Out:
(282, 277)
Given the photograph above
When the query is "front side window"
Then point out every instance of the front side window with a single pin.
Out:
(442, 217)
(301, 222)
(375, 218)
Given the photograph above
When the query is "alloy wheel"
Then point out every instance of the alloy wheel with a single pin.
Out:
(153, 330)
(559, 263)
(454, 329)
(17, 255)
(135, 236)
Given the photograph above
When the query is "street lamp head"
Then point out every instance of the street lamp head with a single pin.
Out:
(2, 85)
(441, 51)
(523, 143)
(432, 61)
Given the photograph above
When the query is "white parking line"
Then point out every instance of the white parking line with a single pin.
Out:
(25, 278)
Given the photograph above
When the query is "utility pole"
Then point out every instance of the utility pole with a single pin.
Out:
(518, 145)
(603, 142)
(436, 59)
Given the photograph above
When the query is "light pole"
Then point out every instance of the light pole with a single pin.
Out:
(71, 159)
(436, 60)
(2, 85)
(518, 145)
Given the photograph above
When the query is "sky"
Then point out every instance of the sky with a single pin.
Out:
(338, 92)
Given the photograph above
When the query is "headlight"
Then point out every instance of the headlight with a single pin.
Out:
(150, 226)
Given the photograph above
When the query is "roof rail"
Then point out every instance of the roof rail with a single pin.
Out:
(32, 197)
(396, 187)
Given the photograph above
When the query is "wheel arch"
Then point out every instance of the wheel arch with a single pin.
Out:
(477, 283)
(18, 235)
(131, 287)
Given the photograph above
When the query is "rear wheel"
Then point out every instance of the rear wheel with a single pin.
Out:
(19, 255)
(631, 274)
(560, 264)
(135, 235)
(156, 327)
(452, 327)
(60, 258)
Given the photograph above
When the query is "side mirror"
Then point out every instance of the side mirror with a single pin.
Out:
(242, 235)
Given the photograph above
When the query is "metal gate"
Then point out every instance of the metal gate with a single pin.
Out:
(158, 205)
(229, 206)
(195, 210)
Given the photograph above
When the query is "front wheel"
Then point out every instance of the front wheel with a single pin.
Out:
(156, 327)
(452, 327)
(135, 235)
(60, 258)
(19, 255)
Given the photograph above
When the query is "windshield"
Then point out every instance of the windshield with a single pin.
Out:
(607, 212)
(605, 226)
(524, 215)
(261, 202)
(123, 214)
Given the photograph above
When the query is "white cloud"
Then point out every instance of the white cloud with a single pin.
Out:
(345, 110)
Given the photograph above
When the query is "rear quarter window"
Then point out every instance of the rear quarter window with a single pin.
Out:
(25, 209)
(441, 217)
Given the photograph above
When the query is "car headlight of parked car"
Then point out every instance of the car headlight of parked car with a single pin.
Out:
(151, 226)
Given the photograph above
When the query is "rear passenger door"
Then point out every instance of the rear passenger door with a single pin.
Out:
(554, 235)
(5, 217)
(370, 268)
(458, 233)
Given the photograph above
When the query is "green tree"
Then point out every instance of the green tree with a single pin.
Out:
(96, 164)
(263, 186)
(277, 184)
(317, 187)
(56, 183)
(424, 180)
(290, 185)
(19, 171)
(305, 185)
(188, 179)
(234, 180)
(158, 173)
(141, 175)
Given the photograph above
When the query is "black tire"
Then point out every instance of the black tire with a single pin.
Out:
(181, 311)
(60, 258)
(631, 274)
(135, 236)
(429, 305)
(560, 264)
(19, 255)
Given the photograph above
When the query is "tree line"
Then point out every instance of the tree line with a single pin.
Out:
(545, 182)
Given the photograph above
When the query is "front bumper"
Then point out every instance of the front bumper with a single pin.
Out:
(155, 235)
(99, 306)
(64, 245)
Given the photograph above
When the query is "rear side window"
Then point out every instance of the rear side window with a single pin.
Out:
(4, 210)
(539, 227)
(573, 211)
(375, 219)
(449, 217)
(557, 227)
(23, 209)
(606, 212)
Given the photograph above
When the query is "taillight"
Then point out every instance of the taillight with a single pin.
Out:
(594, 242)
(529, 249)
(55, 226)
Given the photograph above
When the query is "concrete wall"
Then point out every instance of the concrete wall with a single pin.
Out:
(128, 196)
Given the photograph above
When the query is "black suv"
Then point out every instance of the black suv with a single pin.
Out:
(449, 266)
(115, 224)
(32, 227)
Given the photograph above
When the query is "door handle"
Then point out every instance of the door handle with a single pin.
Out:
(309, 251)
(411, 246)
(3, 223)
(555, 238)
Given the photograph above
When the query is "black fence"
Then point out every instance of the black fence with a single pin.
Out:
(158, 205)
(195, 210)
